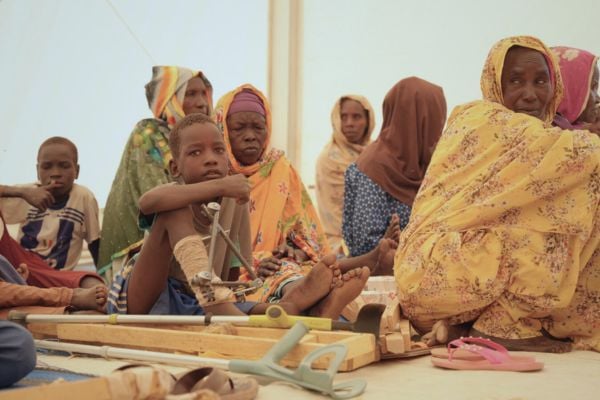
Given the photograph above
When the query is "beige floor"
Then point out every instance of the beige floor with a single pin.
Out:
(567, 376)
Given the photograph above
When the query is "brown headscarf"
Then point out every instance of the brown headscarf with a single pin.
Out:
(414, 113)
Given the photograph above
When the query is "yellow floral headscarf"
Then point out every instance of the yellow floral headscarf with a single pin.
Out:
(491, 76)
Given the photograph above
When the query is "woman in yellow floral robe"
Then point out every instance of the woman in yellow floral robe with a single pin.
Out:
(504, 231)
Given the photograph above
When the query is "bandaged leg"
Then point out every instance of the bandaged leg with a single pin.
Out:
(191, 255)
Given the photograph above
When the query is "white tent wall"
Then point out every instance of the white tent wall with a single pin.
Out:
(78, 68)
(73, 68)
(365, 47)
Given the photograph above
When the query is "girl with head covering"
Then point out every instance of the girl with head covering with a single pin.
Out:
(353, 120)
(283, 219)
(385, 178)
(172, 93)
(503, 234)
(579, 106)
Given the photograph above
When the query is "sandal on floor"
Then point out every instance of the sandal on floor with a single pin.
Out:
(459, 353)
(481, 354)
(217, 381)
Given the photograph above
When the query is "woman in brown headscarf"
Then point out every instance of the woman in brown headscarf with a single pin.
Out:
(505, 231)
(387, 175)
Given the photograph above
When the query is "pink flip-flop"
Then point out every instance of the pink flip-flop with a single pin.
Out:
(481, 354)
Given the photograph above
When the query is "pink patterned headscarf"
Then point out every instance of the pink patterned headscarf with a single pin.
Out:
(577, 68)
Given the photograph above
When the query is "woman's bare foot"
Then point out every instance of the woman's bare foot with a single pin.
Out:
(307, 291)
(380, 260)
(386, 250)
(442, 332)
(541, 344)
(346, 290)
(393, 229)
(93, 298)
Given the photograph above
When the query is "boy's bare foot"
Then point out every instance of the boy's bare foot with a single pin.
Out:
(540, 344)
(393, 229)
(346, 290)
(307, 291)
(93, 298)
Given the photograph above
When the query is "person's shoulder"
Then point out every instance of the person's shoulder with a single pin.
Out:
(149, 127)
(82, 191)
(352, 171)
(152, 123)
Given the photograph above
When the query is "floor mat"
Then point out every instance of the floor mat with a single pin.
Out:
(44, 374)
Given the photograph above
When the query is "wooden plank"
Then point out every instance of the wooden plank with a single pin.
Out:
(324, 337)
(94, 389)
(43, 330)
(361, 347)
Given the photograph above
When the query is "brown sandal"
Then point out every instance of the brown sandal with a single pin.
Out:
(217, 381)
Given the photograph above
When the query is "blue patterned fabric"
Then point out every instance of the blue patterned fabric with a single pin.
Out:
(367, 212)
(174, 300)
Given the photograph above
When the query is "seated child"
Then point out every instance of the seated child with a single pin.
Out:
(55, 214)
(40, 273)
(15, 294)
(14, 291)
(160, 281)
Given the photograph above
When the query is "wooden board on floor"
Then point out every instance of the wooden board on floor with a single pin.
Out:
(244, 343)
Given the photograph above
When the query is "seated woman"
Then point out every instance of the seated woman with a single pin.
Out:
(353, 120)
(387, 175)
(579, 106)
(283, 220)
(172, 93)
(503, 234)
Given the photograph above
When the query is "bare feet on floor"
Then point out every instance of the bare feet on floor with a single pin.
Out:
(386, 250)
(540, 344)
(380, 260)
(306, 292)
(345, 290)
(93, 298)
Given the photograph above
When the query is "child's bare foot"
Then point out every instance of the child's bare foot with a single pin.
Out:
(90, 281)
(346, 290)
(393, 229)
(307, 291)
(540, 344)
(93, 298)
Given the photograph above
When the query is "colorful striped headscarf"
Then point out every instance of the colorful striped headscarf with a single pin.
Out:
(166, 91)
